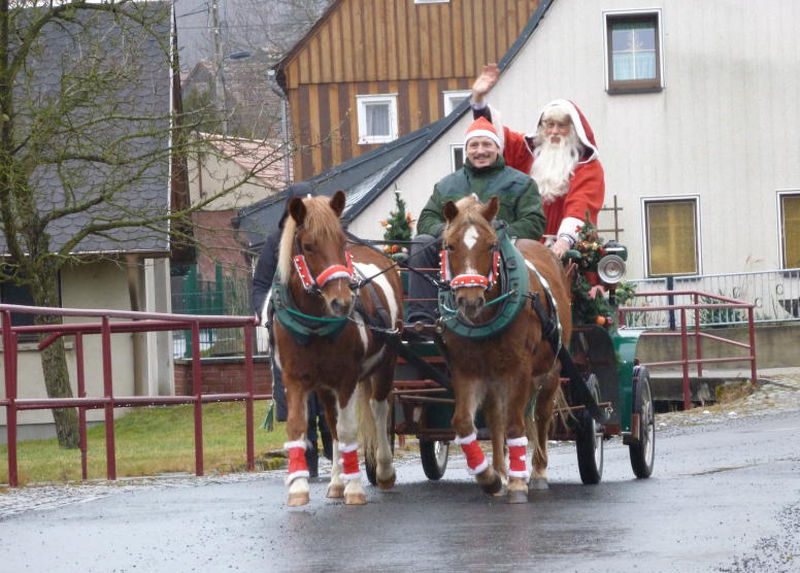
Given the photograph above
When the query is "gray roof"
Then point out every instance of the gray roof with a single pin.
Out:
(365, 177)
(131, 80)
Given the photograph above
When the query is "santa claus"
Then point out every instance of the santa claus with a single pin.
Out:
(560, 155)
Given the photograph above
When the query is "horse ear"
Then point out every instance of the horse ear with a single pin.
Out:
(297, 210)
(450, 211)
(338, 202)
(489, 211)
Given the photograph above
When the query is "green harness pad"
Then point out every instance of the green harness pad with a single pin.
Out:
(514, 280)
(302, 326)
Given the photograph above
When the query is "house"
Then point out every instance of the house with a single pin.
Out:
(369, 72)
(696, 138)
(253, 107)
(124, 268)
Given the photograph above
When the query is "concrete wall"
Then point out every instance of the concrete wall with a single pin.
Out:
(776, 347)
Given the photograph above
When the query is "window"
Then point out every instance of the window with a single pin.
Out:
(457, 156)
(790, 229)
(671, 228)
(633, 51)
(377, 118)
(431, 1)
(452, 99)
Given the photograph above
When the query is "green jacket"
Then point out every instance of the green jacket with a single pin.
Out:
(520, 203)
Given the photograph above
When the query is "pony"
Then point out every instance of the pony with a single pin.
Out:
(499, 342)
(330, 337)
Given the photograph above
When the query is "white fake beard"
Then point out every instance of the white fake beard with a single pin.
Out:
(553, 164)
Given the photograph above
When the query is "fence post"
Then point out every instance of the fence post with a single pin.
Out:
(671, 302)
(687, 391)
(111, 460)
(698, 343)
(10, 371)
(248, 383)
(197, 390)
(81, 409)
(752, 336)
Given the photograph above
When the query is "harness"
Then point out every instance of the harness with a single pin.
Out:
(508, 268)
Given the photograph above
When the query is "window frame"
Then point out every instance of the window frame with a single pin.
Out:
(25, 336)
(431, 1)
(698, 244)
(780, 195)
(361, 103)
(447, 96)
(453, 148)
(633, 86)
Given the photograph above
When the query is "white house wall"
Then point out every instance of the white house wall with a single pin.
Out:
(97, 285)
(724, 127)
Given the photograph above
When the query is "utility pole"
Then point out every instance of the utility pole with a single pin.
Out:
(219, 85)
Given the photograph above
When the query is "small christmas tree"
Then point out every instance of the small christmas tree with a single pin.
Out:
(397, 227)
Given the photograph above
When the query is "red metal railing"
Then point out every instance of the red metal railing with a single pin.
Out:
(136, 322)
(720, 302)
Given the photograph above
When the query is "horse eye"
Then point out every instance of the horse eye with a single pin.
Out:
(493, 247)
(450, 248)
(308, 247)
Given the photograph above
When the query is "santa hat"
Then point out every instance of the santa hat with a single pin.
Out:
(481, 127)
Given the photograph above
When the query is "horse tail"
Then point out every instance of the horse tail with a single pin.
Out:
(561, 412)
(368, 434)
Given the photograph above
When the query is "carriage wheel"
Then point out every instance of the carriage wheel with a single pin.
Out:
(371, 469)
(643, 450)
(589, 440)
(434, 454)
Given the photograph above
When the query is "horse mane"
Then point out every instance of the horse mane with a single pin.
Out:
(321, 221)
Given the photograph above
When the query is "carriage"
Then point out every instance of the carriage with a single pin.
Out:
(502, 339)
(615, 398)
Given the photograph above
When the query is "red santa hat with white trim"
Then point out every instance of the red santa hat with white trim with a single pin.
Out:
(482, 127)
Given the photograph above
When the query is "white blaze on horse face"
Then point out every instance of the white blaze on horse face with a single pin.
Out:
(471, 237)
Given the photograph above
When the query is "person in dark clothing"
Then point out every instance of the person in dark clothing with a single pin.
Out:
(484, 174)
(262, 283)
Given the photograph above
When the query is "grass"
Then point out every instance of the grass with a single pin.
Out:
(151, 441)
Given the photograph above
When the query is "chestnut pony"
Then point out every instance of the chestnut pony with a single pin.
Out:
(502, 371)
(324, 343)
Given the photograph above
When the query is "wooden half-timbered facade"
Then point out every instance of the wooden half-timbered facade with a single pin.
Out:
(370, 71)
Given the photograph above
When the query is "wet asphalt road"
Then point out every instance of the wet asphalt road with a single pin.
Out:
(722, 498)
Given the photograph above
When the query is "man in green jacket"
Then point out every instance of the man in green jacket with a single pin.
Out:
(485, 174)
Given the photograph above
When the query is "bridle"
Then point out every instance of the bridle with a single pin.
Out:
(313, 285)
(468, 280)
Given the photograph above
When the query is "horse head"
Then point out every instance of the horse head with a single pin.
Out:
(470, 256)
(315, 243)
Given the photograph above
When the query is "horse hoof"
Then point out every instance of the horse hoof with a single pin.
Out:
(538, 484)
(517, 496)
(335, 491)
(297, 499)
(355, 499)
(493, 487)
(389, 483)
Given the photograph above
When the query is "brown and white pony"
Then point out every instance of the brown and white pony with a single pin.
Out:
(501, 373)
(314, 244)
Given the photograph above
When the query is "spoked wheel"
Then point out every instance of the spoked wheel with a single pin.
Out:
(589, 440)
(643, 449)
(434, 456)
(370, 466)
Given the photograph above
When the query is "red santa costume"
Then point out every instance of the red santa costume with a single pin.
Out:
(565, 210)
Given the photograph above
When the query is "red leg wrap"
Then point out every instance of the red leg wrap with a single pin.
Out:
(297, 460)
(350, 462)
(517, 458)
(474, 454)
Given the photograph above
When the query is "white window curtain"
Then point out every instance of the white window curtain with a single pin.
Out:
(377, 116)
(634, 50)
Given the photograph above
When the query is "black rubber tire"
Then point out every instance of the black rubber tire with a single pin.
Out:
(589, 440)
(370, 468)
(643, 450)
(434, 455)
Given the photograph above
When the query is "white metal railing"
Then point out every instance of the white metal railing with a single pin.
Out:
(775, 294)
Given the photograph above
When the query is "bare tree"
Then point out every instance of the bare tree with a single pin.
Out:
(86, 138)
